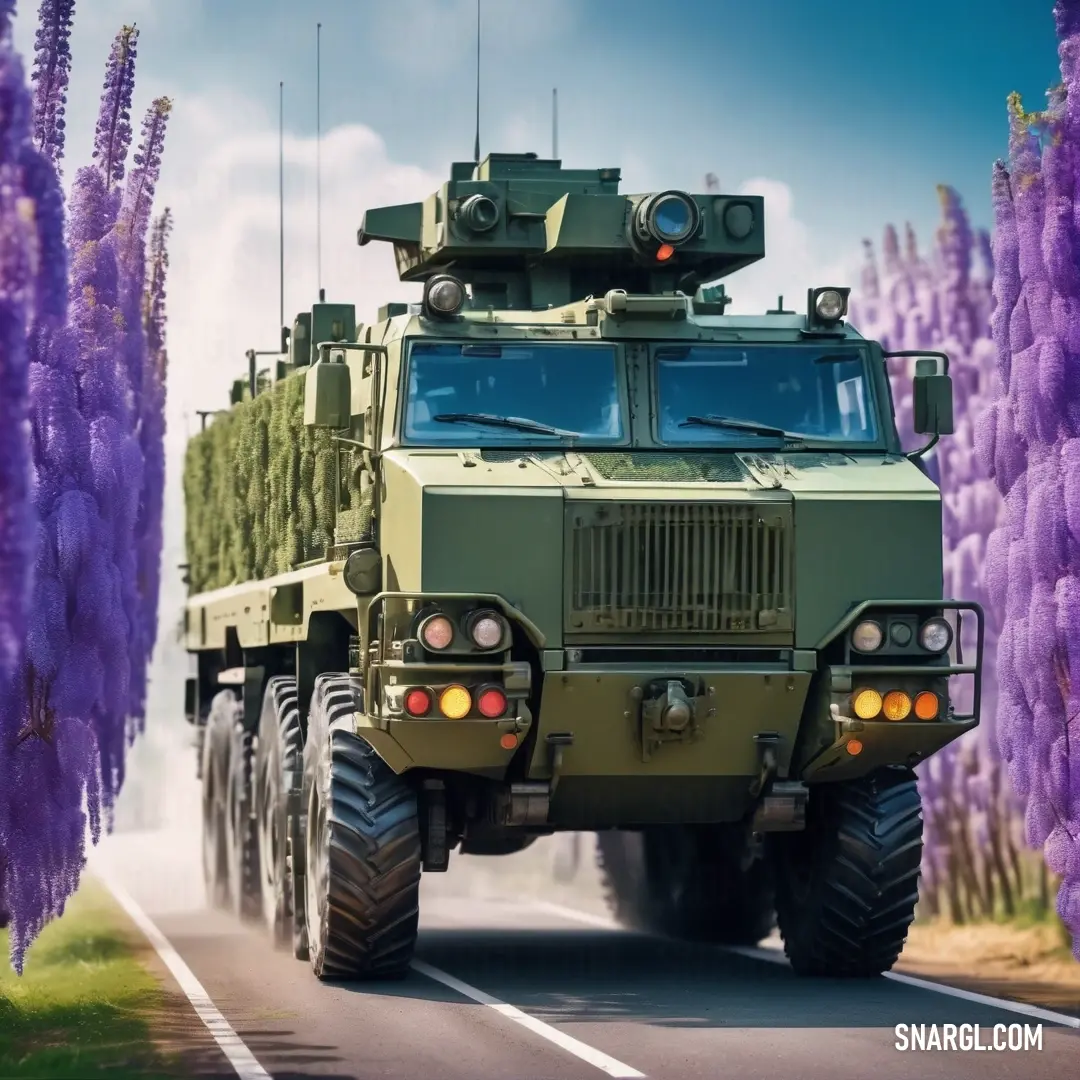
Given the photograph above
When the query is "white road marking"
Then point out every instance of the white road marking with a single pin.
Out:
(773, 953)
(233, 1047)
(1033, 1011)
(602, 922)
(566, 1042)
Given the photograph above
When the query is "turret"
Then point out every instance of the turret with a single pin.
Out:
(526, 233)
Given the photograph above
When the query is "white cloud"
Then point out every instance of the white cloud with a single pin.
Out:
(794, 259)
(221, 182)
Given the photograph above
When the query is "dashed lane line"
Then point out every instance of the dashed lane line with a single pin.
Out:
(232, 1046)
(773, 954)
(586, 1053)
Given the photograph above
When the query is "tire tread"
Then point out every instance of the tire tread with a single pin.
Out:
(374, 855)
(857, 921)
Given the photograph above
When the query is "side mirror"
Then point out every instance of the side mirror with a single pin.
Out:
(327, 395)
(932, 399)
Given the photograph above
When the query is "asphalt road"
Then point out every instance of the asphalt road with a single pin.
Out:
(636, 1005)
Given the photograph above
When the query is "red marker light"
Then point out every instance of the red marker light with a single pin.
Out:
(417, 702)
(492, 703)
(665, 252)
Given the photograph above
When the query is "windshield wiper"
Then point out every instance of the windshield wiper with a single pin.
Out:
(711, 420)
(517, 422)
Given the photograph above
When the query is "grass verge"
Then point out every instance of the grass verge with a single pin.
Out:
(87, 1004)
(1024, 962)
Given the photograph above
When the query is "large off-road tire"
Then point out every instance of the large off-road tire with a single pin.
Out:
(279, 773)
(848, 885)
(362, 865)
(214, 770)
(695, 882)
(243, 831)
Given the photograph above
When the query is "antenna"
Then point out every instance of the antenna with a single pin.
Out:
(555, 122)
(476, 145)
(281, 205)
(318, 155)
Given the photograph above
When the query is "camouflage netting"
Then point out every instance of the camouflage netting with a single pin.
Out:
(259, 491)
(718, 468)
(644, 465)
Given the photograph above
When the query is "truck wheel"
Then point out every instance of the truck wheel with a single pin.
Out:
(691, 882)
(279, 768)
(243, 828)
(214, 770)
(362, 866)
(848, 885)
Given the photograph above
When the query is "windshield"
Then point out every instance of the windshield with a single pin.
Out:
(763, 393)
(521, 393)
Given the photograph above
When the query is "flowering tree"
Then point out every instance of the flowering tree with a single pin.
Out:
(95, 404)
(16, 301)
(1029, 442)
(972, 865)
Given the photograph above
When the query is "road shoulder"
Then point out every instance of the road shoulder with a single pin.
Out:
(96, 1001)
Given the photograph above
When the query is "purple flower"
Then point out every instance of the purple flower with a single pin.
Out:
(113, 134)
(943, 301)
(1034, 448)
(17, 251)
(52, 70)
(86, 359)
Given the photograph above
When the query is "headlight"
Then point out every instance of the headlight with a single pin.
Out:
(437, 632)
(867, 636)
(935, 635)
(829, 305)
(444, 295)
(486, 629)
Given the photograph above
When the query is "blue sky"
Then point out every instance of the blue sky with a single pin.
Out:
(844, 121)
(860, 112)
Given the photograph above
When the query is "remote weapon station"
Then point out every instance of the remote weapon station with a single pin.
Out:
(566, 547)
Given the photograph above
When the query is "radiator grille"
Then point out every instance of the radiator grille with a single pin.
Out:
(663, 567)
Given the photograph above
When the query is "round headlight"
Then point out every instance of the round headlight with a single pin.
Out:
(445, 295)
(829, 305)
(360, 572)
(437, 633)
(670, 217)
(935, 635)
(867, 636)
(486, 629)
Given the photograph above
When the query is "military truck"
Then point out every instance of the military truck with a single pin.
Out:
(564, 546)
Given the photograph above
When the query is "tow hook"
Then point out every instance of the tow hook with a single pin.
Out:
(668, 713)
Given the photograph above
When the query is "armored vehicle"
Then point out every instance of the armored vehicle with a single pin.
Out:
(564, 546)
